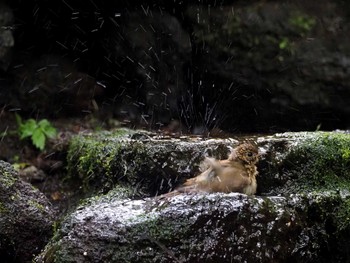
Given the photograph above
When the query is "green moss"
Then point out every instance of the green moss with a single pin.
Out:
(346, 154)
(342, 216)
(7, 179)
(36, 205)
(155, 236)
(92, 158)
(3, 209)
(163, 229)
(320, 162)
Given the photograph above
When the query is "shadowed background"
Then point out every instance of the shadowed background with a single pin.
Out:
(194, 66)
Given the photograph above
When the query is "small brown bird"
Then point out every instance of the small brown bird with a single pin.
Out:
(235, 174)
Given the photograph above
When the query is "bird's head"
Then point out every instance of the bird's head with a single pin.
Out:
(246, 152)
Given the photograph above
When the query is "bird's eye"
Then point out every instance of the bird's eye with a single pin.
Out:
(250, 154)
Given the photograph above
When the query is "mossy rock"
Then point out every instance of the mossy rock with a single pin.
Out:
(199, 228)
(306, 162)
(150, 163)
(300, 213)
(26, 217)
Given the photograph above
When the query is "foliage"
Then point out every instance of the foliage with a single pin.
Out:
(302, 22)
(37, 131)
(284, 43)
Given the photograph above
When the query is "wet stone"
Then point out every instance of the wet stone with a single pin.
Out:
(300, 212)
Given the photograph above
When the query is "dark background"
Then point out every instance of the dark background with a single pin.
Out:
(189, 66)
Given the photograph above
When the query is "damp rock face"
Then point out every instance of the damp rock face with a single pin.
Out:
(26, 218)
(199, 228)
(300, 213)
(304, 162)
(152, 164)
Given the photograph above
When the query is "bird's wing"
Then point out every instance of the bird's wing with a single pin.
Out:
(207, 175)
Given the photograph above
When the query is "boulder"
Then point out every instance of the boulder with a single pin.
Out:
(197, 228)
(150, 163)
(26, 217)
(300, 213)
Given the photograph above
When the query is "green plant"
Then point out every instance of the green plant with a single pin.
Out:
(302, 22)
(37, 131)
(284, 43)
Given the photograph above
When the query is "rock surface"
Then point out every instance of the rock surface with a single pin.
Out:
(26, 218)
(301, 212)
(199, 228)
(150, 163)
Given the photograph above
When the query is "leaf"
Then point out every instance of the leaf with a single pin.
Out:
(38, 131)
(38, 139)
(44, 123)
(47, 128)
(27, 129)
(50, 132)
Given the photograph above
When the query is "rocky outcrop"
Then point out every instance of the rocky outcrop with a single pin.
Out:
(26, 217)
(150, 163)
(199, 228)
(300, 213)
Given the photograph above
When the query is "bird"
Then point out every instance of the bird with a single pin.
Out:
(237, 173)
